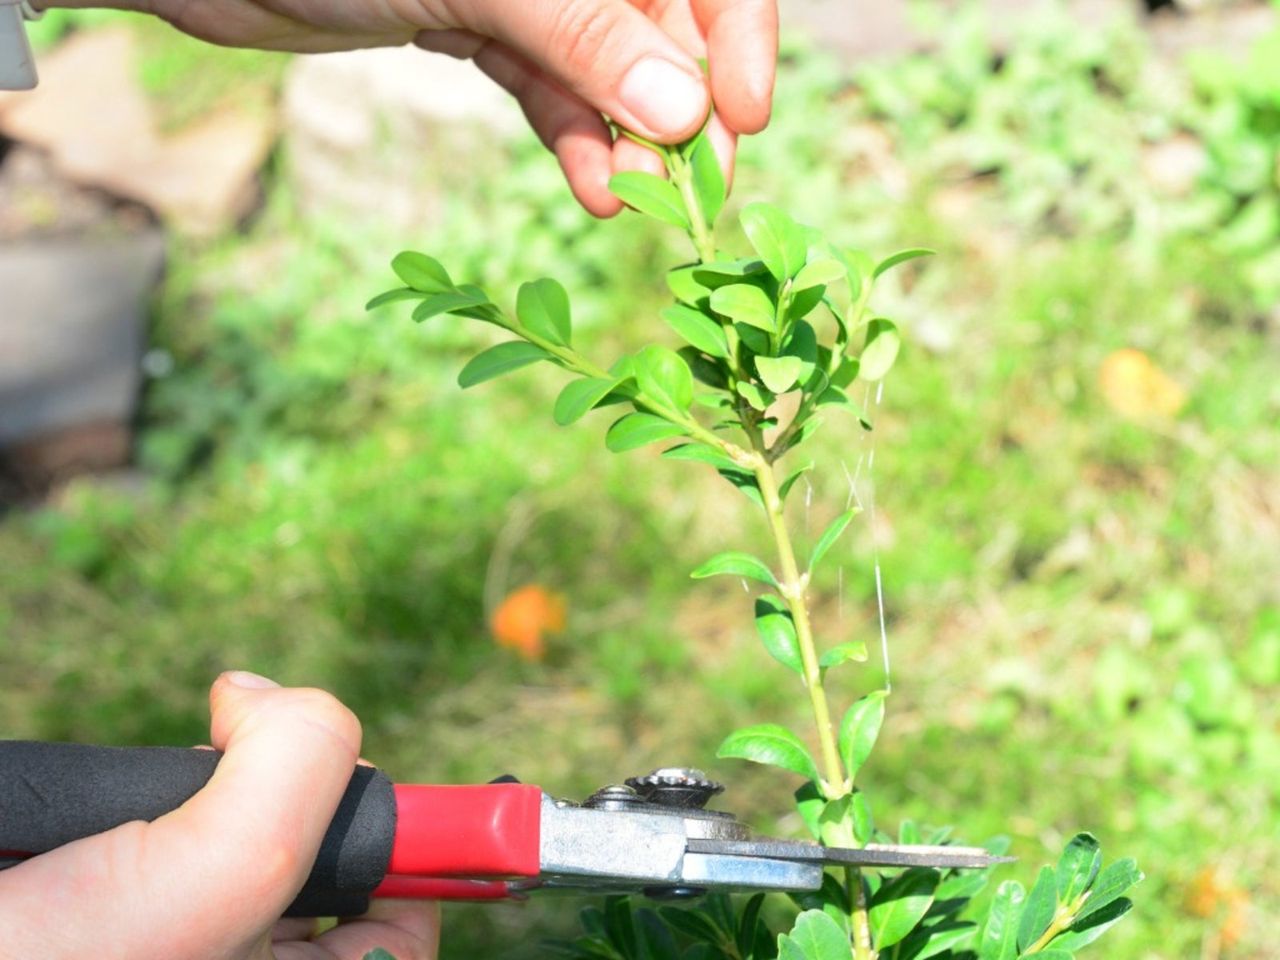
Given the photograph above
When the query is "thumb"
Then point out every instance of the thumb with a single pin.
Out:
(210, 878)
(608, 54)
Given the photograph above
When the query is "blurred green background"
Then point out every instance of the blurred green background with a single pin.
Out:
(1080, 550)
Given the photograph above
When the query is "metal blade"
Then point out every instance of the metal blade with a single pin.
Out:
(873, 855)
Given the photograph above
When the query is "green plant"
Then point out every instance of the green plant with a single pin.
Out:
(773, 341)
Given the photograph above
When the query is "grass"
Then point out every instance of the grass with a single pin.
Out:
(1083, 617)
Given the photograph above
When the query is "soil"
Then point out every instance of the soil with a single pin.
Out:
(38, 203)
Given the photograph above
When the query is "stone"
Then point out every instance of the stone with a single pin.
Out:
(389, 132)
(98, 127)
(72, 321)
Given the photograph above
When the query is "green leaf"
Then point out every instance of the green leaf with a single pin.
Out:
(377, 953)
(720, 273)
(746, 483)
(702, 453)
(776, 238)
(1041, 905)
(925, 942)
(902, 256)
(708, 180)
(881, 349)
(818, 937)
(652, 195)
(900, 904)
(498, 360)
(778, 631)
(543, 308)
(693, 924)
(846, 373)
(770, 744)
(685, 288)
(1081, 933)
(451, 302)
(421, 272)
(843, 653)
(580, 396)
(749, 925)
(745, 303)
(754, 396)
(785, 487)
(819, 273)
(735, 563)
(809, 804)
(779, 373)
(393, 296)
(664, 377)
(638, 429)
(1111, 884)
(696, 328)
(1077, 867)
(831, 535)
(999, 934)
(859, 730)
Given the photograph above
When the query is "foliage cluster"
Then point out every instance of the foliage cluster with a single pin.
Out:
(771, 339)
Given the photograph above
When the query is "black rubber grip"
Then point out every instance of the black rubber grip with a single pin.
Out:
(53, 793)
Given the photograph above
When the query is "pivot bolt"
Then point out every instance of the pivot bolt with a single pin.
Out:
(682, 787)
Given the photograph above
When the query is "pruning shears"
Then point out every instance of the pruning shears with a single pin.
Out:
(501, 840)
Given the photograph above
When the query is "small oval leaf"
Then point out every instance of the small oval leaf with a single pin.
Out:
(708, 179)
(665, 378)
(745, 303)
(498, 360)
(770, 744)
(450, 302)
(421, 272)
(900, 904)
(778, 631)
(888, 263)
(579, 397)
(779, 374)
(696, 328)
(543, 308)
(1038, 911)
(843, 653)
(394, 296)
(651, 195)
(831, 535)
(737, 564)
(881, 349)
(638, 429)
(859, 730)
(778, 239)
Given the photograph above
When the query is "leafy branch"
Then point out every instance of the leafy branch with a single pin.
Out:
(788, 327)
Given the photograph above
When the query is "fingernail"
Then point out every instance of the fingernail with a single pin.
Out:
(249, 681)
(666, 98)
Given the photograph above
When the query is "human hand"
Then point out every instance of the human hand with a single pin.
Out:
(567, 62)
(210, 879)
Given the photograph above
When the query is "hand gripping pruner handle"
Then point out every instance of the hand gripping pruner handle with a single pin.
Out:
(385, 839)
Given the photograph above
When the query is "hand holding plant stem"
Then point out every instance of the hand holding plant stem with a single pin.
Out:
(751, 326)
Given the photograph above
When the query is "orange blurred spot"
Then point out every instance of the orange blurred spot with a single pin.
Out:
(1213, 895)
(1136, 388)
(522, 621)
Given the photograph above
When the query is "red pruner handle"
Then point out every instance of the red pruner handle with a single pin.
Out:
(436, 888)
(474, 832)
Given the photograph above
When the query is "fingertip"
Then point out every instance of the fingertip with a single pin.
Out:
(587, 163)
(742, 44)
(725, 142)
(629, 155)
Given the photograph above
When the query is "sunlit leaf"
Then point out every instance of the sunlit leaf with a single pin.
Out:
(770, 744)
(685, 288)
(738, 564)
(702, 453)
(815, 936)
(651, 195)
(580, 396)
(1084, 931)
(664, 377)
(831, 535)
(543, 308)
(779, 373)
(421, 272)
(778, 631)
(899, 905)
(859, 730)
(696, 328)
(1111, 883)
(902, 256)
(745, 303)
(777, 238)
(843, 653)
(638, 429)
(999, 939)
(1077, 867)
(1038, 911)
(708, 179)
(819, 273)
(450, 302)
(498, 360)
(394, 296)
(881, 349)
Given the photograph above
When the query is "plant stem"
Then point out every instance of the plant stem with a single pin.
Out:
(862, 949)
(700, 231)
(1061, 921)
(793, 587)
